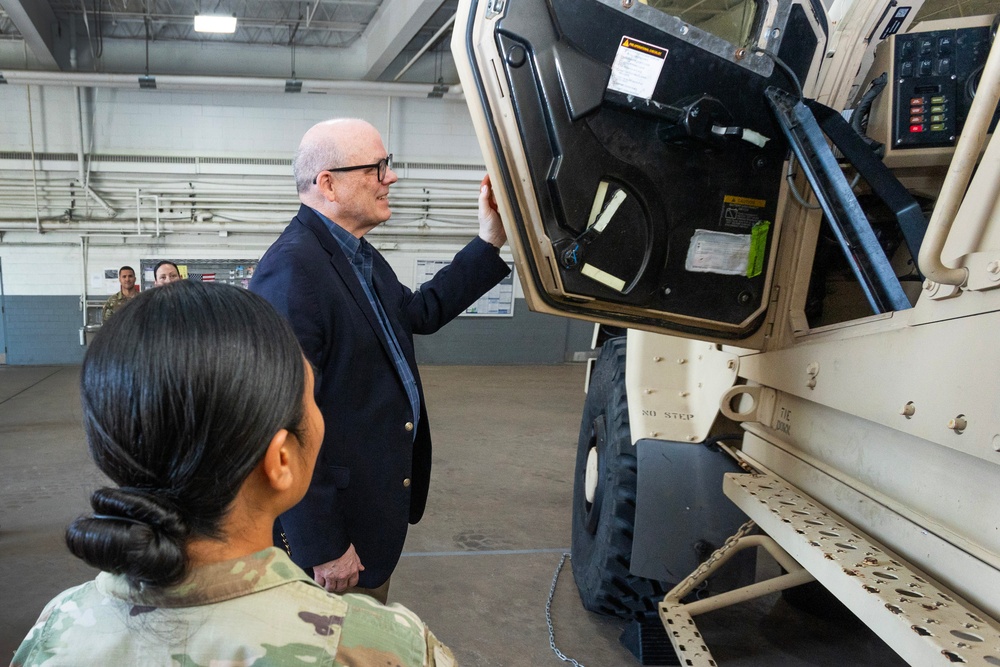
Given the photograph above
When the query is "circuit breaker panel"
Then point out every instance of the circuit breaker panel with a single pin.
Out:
(936, 78)
(933, 74)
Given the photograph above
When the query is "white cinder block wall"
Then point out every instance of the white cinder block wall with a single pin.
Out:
(157, 142)
(251, 123)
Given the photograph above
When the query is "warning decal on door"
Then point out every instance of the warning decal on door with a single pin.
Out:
(636, 68)
(741, 213)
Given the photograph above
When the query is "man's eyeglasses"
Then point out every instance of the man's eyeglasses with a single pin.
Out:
(381, 167)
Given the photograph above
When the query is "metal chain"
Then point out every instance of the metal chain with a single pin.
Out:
(717, 554)
(721, 551)
(548, 613)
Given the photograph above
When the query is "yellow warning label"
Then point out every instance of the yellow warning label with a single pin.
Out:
(744, 201)
(630, 43)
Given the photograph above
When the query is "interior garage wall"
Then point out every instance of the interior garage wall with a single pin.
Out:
(48, 274)
(42, 306)
(43, 330)
(527, 338)
(3, 319)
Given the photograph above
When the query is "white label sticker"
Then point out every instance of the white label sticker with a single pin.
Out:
(636, 68)
(718, 252)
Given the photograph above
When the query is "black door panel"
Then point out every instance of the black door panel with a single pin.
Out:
(653, 160)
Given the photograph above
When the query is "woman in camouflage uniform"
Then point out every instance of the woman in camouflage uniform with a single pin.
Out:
(199, 405)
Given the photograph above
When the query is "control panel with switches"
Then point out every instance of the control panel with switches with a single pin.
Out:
(936, 74)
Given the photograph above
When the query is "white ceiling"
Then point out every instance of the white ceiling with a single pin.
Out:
(320, 39)
(308, 39)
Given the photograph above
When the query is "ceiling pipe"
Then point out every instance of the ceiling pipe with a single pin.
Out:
(72, 41)
(34, 169)
(80, 159)
(83, 293)
(310, 13)
(217, 84)
(430, 42)
(167, 228)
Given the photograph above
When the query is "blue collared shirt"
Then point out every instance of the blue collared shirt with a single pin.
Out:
(361, 256)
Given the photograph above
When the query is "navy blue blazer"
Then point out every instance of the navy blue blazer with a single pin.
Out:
(372, 475)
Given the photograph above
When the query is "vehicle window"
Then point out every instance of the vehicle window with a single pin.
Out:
(732, 20)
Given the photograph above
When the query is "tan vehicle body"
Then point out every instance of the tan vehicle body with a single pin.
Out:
(873, 440)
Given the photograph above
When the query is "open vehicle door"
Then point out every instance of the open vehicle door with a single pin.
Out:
(635, 152)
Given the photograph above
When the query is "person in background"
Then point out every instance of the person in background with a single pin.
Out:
(165, 273)
(198, 405)
(126, 278)
(355, 322)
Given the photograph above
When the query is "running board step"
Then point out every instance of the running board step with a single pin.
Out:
(925, 623)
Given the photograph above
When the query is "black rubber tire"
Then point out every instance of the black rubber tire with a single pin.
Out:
(602, 530)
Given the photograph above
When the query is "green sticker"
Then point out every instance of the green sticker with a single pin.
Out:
(758, 244)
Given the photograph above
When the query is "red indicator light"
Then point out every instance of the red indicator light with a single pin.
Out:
(916, 128)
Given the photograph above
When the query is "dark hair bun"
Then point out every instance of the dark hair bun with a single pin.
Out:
(159, 386)
(132, 533)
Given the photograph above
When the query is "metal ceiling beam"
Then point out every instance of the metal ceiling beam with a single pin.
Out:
(395, 24)
(34, 20)
(431, 42)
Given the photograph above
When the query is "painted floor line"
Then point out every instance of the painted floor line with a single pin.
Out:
(33, 384)
(496, 552)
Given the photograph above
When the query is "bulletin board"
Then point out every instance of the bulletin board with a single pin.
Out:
(236, 272)
(498, 302)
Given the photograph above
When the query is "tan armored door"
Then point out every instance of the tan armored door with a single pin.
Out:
(635, 153)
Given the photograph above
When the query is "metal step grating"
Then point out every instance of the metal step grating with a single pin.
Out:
(648, 642)
(920, 619)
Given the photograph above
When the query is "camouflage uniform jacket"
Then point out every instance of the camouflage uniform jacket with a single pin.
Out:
(114, 302)
(260, 610)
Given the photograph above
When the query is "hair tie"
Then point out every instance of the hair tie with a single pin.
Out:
(126, 519)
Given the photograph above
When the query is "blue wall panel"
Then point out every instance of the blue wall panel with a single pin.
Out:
(46, 330)
(43, 330)
(526, 338)
(3, 329)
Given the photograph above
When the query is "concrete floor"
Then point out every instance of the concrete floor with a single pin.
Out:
(477, 569)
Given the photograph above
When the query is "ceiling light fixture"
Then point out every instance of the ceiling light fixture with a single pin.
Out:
(214, 23)
(438, 91)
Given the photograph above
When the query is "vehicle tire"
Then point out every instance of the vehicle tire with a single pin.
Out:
(604, 516)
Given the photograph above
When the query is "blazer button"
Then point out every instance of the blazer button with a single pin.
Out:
(406, 482)
(408, 426)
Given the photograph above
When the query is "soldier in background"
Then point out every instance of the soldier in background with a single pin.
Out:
(164, 273)
(183, 538)
(126, 278)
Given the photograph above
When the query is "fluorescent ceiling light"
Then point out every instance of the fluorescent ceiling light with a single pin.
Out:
(210, 23)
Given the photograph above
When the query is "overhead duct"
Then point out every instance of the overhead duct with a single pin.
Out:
(221, 84)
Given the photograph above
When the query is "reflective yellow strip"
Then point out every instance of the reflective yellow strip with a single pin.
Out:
(616, 200)
(602, 191)
(603, 277)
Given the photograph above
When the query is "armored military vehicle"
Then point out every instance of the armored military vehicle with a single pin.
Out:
(785, 218)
